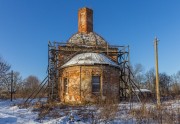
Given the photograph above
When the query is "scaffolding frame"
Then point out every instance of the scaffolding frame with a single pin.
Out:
(68, 50)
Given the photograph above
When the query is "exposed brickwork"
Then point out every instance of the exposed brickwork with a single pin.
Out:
(79, 78)
(85, 20)
(80, 83)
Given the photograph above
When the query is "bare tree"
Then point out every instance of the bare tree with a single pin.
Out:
(164, 83)
(28, 85)
(4, 68)
(4, 78)
(17, 84)
(150, 78)
(138, 72)
(175, 84)
(178, 76)
(31, 82)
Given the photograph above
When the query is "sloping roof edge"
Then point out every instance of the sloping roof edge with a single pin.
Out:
(89, 59)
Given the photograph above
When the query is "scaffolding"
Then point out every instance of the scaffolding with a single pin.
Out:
(59, 53)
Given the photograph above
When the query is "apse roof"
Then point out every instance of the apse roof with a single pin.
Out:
(89, 59)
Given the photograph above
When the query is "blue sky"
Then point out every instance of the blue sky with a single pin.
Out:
(26, 26)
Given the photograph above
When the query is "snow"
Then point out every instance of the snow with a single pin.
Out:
(143, 90)
(90, 39)
(11, 113)
(89, 59)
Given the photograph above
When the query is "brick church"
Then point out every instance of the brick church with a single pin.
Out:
(92, 73)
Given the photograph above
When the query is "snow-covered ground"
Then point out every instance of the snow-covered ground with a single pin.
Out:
(10, 113)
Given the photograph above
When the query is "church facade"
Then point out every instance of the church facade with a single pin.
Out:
(92, 73)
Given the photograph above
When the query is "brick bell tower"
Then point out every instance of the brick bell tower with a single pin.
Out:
(85, 20)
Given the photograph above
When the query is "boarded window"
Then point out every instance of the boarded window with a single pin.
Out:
(95, 84)
(65, 85)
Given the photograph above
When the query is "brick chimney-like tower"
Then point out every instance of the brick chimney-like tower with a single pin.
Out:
(85, 20)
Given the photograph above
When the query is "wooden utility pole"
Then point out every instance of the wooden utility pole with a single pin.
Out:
(157, 73)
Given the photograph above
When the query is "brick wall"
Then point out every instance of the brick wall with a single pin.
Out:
(80, 83)
(85, 20)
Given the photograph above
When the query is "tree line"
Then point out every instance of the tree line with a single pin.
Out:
(169, 84)
(20, 87)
